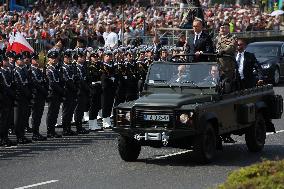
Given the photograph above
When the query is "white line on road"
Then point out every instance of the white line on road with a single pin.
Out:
(38, 184)
(174, 154)
(271, 133)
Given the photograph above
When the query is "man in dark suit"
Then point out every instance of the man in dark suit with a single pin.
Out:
(202, 42)
(246, 63)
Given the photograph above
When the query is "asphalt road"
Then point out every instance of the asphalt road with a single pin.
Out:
(92, 161)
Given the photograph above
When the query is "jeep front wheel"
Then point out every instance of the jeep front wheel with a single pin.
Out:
(128, 148)
(204, 147)
(256, 134)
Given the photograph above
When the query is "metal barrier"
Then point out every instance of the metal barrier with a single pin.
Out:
(168, 37)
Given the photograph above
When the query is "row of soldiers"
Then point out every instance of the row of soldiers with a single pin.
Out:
(79, 80)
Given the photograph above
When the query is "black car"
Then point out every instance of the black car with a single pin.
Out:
(180, 107)
(270, 55)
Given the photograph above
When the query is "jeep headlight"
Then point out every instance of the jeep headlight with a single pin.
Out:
(266, 66)
(184, 118)
(128, 116)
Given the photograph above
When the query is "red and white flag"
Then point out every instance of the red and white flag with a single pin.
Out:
(19, 44)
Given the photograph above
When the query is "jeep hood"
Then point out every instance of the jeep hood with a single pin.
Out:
(170, 100)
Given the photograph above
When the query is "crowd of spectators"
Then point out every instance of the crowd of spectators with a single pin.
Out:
(50, 20)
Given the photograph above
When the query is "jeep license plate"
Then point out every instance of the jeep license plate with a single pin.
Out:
(156, 117)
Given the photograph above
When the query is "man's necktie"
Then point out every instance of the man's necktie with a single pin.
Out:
(239, 58)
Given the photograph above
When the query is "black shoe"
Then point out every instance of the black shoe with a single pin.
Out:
(69, 133)
(6, 142)
(228, 139)
(38, 137)
(29, 130)
(11, 132)
(82, 131)
(23, 140)
(53, 135)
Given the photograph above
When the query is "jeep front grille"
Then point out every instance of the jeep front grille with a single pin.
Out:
(139, 121)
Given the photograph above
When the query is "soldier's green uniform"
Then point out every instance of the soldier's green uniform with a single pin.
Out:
(226, 45)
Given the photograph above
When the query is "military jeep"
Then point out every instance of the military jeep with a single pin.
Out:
(181, 107)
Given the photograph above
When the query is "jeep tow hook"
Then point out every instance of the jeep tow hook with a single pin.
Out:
(163, 137)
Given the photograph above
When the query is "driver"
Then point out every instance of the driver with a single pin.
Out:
(180, 76)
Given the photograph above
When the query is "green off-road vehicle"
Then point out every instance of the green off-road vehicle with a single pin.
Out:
(180, 107)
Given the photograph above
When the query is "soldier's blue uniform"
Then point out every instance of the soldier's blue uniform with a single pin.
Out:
(56, 93)
(22, 101)
(39, 92)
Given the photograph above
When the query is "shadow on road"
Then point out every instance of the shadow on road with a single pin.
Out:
(233, 155)
(29, 150)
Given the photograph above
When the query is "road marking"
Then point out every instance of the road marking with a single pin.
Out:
(38, 184)
(271, 133)
(174, 154)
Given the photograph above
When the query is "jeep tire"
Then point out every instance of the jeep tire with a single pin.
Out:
(204, 147)
(256, 134)
(128, 148)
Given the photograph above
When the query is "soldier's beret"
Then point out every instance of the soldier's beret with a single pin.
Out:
(52, 54)
(26, 54)
(108, 52)
(68, 52)
(19, 56)
(11, 54)
(34, 56)
(94, 54)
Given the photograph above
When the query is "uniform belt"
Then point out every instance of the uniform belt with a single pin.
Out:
(96, 82)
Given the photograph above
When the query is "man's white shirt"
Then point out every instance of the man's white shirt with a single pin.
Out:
(111, 40)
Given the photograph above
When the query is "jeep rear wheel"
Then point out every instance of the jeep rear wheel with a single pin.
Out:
(204, 147)
(256, 134)
(128, 148)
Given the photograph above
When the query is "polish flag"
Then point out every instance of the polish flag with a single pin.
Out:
(19, 44)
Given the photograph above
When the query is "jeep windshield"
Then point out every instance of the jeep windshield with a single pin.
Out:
(194, 75)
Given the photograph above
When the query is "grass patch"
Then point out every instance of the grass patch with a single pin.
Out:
(264, 175)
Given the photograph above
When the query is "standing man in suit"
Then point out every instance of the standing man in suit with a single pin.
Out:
(202, 41)
(246, 63)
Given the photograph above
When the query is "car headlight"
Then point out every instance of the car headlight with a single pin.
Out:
(266, 66)
(127, 116)
(183, 118)
(186, 118)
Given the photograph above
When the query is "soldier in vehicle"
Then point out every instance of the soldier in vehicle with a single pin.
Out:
(226, 45)
(94, 77)
(56, 93)
(108, 88)
(39, 92)
(7, 96)
(69, 102)
(83, 92)
(213, 77)
(179, 76)
(22, 102)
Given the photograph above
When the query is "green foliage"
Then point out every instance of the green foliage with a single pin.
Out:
(265, 175)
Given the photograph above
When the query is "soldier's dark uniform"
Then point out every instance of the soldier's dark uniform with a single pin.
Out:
(7, 96)
(70, 100)
(39, 92)
(22, 102)
(120, 69)
(94, 78)
(82, 95)
(56, 93)
(108, 90)
(11, 55)
(143, 69)
(132, 78)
